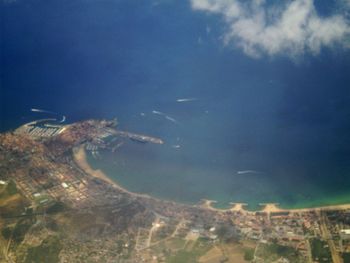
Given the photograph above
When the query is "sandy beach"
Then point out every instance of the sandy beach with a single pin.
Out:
(81, 160)
(330, 207)
(270, 208)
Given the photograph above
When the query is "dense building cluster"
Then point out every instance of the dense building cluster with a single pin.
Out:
(58, 194)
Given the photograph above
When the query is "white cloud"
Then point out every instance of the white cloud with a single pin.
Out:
(347, 2)
(292, 27)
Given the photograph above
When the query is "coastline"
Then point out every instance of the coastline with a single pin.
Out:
(273, 207)
(80, 159)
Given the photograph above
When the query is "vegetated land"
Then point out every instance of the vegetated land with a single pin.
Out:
(274, 251)
(11, 201)
(320, 251)
(54, 209)
(47, 251)
(346, 257)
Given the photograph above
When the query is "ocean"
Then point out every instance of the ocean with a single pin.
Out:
(260, 130)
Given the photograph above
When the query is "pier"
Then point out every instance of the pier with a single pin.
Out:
(139, 137)
(40, 128)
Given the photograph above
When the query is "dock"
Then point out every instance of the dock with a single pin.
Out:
(139, 137)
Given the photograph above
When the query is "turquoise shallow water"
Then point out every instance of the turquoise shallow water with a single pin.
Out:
(287, 120)
(148, 169)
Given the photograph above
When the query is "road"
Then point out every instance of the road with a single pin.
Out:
(326, 235)
(4, 247)
(155, 225)
(309, 252)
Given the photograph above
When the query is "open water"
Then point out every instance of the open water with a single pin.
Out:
(260, 130)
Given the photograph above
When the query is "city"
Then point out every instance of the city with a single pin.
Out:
(48, 190)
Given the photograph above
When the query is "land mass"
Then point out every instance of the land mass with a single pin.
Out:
(54, 207)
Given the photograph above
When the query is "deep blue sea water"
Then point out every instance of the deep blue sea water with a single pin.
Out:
(287, 120)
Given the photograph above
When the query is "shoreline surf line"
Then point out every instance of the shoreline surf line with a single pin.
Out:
(80, 159)
(271, 208)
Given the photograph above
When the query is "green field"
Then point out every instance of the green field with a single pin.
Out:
(47, 251)
(272, 252)
(320, 251)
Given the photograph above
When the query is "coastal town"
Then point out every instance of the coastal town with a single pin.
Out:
(55, 207)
